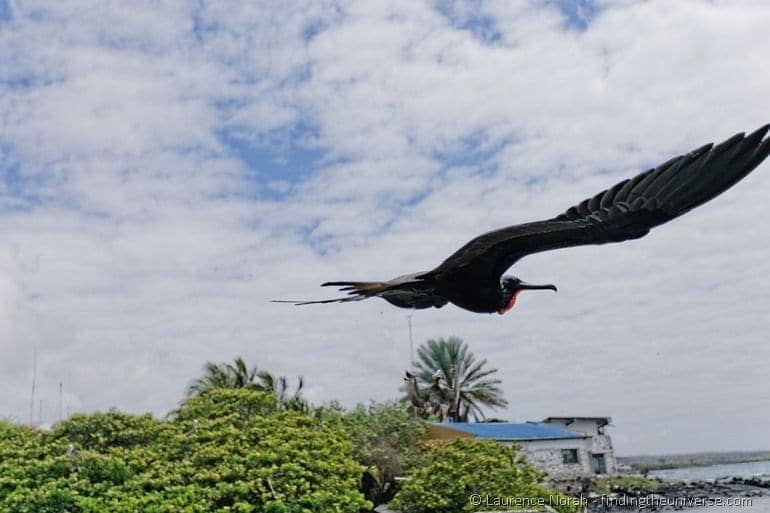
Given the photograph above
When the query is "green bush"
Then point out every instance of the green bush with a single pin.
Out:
(103, 431)
(633, 483)
(384, 436)
(236, 406)
(224, 451)
(236, 451)
(453, 474)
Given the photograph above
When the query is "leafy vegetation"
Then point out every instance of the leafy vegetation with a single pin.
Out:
(461, 369)
(240, 375)
(451, 474)
(384, 437)
(241, 443)
(606, 485)
(224, 451)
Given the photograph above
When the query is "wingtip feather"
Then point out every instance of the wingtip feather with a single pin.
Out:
(763, 150)
(758, 134)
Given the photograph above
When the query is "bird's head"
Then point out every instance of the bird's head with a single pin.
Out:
(511, 288)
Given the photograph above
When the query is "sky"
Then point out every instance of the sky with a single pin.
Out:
(168, 168)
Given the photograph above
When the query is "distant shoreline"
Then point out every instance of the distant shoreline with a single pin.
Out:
(646, 463)
(644, 494)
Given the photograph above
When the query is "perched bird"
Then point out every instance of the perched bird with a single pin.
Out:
(472, 278)
(413, 392)
(72, 453)
(439, 396)
(434, 401)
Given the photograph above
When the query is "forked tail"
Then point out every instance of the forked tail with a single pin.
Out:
(357, 291)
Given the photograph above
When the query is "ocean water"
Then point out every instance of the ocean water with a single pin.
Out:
(753, 469)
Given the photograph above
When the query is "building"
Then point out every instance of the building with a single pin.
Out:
(599, 451)
(567, 448)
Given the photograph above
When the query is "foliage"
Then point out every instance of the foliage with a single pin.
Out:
(239, 375)
(223, 375)
(224, 451)
(606, 485)
(383, 437)
(452, 472)
(102, 431)
(279, 387)
(236, 407)
(241, 450)
(458, 365)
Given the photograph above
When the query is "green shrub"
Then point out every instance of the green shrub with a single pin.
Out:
(102, 431)
(225, 451)
(453, 473)
(384, 436)
(235, 407)
(605, 485)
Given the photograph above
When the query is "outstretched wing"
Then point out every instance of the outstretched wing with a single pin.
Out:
(626, 211)
(405, 291)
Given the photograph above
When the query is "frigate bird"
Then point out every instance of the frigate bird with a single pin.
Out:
(437, 400)
(413, 392)
(472, 277)
(439, 396)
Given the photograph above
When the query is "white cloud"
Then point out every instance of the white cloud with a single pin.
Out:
(144, 246)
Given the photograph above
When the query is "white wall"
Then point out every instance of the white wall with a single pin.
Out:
(547, 455)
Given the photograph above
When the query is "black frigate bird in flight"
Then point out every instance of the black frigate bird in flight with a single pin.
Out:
(472, 278)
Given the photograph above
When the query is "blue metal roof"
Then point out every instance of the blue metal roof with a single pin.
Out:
(512, 431)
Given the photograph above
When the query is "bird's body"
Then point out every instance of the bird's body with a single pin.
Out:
(472, 277)
(413, 392)
(435, 401)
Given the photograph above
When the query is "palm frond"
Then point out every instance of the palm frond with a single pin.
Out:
(476, 388)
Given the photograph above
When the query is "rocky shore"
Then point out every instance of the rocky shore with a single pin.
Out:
(679, 495)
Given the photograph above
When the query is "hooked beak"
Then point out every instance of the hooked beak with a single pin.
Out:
(523, 286)
(527, 286)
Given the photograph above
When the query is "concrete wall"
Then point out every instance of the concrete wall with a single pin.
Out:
(585, 426)
(602, 444)
(599, 443)
(547, 456)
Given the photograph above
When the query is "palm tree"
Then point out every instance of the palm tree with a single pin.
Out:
(279, 387)
(224, 375)
(468, 379)
(239, 375)
(214, 376)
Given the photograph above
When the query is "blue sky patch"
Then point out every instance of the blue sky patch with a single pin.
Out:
(472, 150)
(285, 158)
(5, 11)
(469, 16)
(578, 13)
(18, 191)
